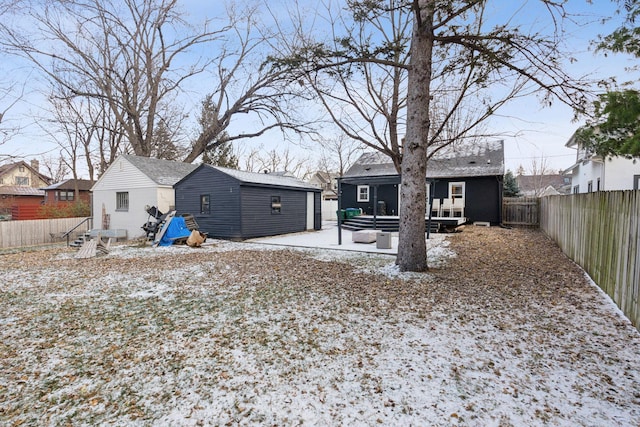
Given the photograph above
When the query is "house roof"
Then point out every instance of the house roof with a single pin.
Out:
(6, 168)
(264, 178)
(21, 190)
(456, 160)
(529, 183)
(69, 184)
(163, 172)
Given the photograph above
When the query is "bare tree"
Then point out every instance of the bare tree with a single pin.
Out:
(282, 161)
(55, 167)
(264, 95)
(126, 53)
(337, 154)
(135, 58)
(454, 52)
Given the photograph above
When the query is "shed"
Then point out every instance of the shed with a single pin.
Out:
(232, 204)
(129, 185)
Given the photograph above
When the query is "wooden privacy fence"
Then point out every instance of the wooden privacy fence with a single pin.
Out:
(36, 232)
(521, 211)
(600, 232)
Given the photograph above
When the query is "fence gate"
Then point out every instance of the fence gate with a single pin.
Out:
(521, 211)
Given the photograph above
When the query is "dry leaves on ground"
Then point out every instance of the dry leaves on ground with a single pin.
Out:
(508, 332)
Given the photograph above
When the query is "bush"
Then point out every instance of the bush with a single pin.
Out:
(68, 210)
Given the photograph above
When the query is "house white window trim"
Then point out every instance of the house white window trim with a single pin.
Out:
(363, 196)
(455, 184)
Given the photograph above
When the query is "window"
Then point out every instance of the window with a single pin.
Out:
(65, 195)
(576, 189)
(363, 193)
(122, 201)
(21, 168)
(276, 205)
(22, 180)
(205, 206)
(456, 190)
(589, 186)
(598, 184)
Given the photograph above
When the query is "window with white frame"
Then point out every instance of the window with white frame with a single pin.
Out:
(589, 186)
(456, 190)
(363, 193)
(122, 201)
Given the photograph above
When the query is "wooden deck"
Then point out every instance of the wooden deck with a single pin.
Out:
(391, 223)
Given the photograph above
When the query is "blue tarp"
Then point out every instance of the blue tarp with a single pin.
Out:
(176, 229)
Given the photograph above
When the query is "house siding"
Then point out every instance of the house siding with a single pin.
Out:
(132, 219)
(223, 219)
(122, 176)
(388, 193)
(483, 197)
(257, 219)
(241, 209)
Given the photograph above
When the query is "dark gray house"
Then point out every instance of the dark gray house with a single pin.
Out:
(465, 181)
(232, 204)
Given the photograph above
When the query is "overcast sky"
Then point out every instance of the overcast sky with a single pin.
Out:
(532, 132)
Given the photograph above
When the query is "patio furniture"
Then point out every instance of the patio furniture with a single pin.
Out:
(457, 207)
(435, 207)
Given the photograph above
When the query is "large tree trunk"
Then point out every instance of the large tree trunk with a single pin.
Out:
(412, 250)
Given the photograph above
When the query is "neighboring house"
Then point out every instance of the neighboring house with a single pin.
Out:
(594, 173)
(232, 204)
(543, 185)
(64, 193)
(20, 190)
(20, 202)
(129, 186)
(23, 175)
(327, 182)
(466, 181)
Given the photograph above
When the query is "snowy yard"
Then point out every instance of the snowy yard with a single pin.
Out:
(503, 331)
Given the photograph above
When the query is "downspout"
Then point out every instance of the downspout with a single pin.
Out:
(339, 211)
(375, 205)
(431, 188)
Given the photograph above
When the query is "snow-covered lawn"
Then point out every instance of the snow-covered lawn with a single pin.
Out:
(506, 332)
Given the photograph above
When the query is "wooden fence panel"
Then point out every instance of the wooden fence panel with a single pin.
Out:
(35, 232)
(521, 211)
(601, 232)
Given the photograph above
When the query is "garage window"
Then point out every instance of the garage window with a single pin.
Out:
(276, 205)
(122, 201)
(205, 205)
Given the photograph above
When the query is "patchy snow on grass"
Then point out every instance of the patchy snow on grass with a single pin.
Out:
(253, 334)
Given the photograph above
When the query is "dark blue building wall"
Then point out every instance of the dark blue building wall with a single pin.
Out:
(387, 193)
(223, 218)
(241, 210)
(258, 218)
(483, 201)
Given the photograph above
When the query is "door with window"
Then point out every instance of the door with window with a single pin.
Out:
(456, 197)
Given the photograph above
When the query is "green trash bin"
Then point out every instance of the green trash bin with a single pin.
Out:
(352, 212)
(341, 214)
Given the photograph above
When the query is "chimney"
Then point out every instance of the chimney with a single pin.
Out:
(35, 165)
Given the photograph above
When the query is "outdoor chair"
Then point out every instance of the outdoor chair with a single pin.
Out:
(435, 207)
